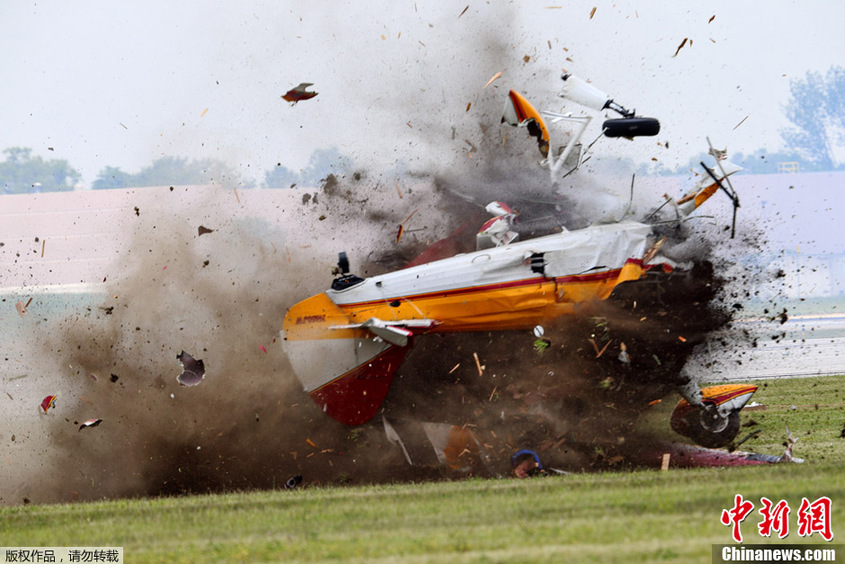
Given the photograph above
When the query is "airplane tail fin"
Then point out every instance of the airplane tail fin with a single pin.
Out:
(340, 365)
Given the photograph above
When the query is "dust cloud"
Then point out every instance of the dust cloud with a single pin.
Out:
(221, 297)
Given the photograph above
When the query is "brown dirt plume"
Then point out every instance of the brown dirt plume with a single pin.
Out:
(221, 295)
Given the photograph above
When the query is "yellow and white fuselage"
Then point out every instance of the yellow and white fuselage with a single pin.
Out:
(346, 344)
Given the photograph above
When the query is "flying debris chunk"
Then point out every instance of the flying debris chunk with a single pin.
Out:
(519, 112)
(193, 370)
(21, 307)
(478, 364)
(494, 77)
(48, 402)
(593, 12)
(299, 93)
(293, 481)
(90, 423)
(202, 230)
(741, 122)
(432, 444)
(681, 46)
(623, 354)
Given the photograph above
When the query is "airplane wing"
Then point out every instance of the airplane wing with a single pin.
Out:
(346, 368)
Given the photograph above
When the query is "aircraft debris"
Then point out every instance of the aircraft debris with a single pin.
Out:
(494, 77)
(193, 370)
(596, 347)
(90, 423)
(519, 112)
(299, 93)
(623, 354)
(202, 230)
(478, 364)
(439, 444)
(293, 481)
(21, 307)
(681, 46)
(593, 12)
(367, 325)
(499, 231)
(48, 402)
(463, 11)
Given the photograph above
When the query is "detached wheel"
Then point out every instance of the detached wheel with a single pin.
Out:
(711, 431)
(631, 127)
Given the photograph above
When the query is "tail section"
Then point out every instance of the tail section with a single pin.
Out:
(341, 366)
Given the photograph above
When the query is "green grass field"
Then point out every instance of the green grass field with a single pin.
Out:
(639, 516)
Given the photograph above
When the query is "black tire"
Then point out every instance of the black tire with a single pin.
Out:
(631, 127)
(711, 439)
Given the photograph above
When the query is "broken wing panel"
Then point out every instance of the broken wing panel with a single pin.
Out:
(705, 188)
(519, 112)
(437, 444)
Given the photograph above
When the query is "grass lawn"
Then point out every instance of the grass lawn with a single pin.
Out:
(639, 516)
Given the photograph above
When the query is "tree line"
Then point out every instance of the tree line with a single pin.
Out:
(22, 173)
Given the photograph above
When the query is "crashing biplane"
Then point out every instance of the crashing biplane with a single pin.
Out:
(346, 343)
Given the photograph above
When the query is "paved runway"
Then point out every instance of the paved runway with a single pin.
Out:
(803, 346)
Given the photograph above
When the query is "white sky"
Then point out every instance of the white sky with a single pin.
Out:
(121, 84)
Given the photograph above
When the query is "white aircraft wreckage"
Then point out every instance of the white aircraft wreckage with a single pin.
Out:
(347, 343)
